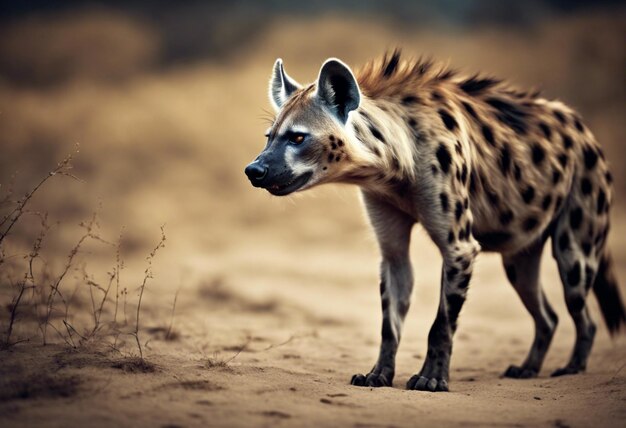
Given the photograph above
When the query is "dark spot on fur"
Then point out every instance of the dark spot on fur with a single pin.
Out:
(331, 138)
(564, 241)
(546, 130)
(517, 172)
(458, 148)
(559, 201)
(530, 223)
(465, 281)
(559, 116)
(556, 176)
(475, 85)
(488, 134)
(563, 159)
(538, 154)
(458, 210)
(448, 120)
(586, 246)
(576, 218)
(464, 174)
(505, 159)
(338, 157)
(529, 194)
(384, 303)
(376, 133)
(443, 156)
(433, 169)
(511, 274)
(510, 114)
(573, 275)
(585, 186)
(451, 273)
(601, 202)
(579, 125)
(340, 143)
(547, 201)
(466, 203)
(468, 107)
(609, 177)
(492, 240)
(506, 217)
(455, 303)
(334, 146)
(450, 237)
(591, 157)
(567, 141)
(383, 287)
(331, 157)
(436, 95)
(444, 202)
(409, 100)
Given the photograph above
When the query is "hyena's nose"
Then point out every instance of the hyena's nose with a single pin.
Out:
(256, 172)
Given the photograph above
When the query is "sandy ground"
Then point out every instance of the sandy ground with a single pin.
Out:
(304, 325)
(278, 304)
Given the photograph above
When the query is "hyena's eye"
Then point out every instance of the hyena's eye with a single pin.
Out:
(296, 137)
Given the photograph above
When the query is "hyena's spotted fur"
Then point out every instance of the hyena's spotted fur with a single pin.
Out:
(480, 165)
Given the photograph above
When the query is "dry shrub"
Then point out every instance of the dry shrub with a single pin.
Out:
(49, 298)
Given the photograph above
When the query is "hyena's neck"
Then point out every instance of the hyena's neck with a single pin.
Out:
(383, 146)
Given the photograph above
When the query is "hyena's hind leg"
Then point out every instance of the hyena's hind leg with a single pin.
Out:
(393, 232)
(522, 270)
(578, 246)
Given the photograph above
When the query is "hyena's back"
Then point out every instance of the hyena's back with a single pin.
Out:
(549, 167)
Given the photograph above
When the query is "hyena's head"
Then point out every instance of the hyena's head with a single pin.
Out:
(309, 142)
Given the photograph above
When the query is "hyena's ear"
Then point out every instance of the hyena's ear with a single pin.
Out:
(281, 85)
(338, 88)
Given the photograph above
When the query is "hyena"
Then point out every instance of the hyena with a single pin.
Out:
(481, 165)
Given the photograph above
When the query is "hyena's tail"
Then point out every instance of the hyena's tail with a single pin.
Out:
(607, 292)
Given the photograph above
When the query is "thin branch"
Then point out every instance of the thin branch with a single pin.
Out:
(147, 275)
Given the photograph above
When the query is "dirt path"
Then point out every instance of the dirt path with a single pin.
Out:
(303, 331)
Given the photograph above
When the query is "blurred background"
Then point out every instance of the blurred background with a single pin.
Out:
(167, 100)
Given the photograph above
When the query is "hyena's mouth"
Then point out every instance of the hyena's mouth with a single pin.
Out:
(291, 186)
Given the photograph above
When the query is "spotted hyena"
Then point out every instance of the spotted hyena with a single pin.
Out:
(481, 165)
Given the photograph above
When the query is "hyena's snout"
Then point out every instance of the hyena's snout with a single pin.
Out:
(256, 172)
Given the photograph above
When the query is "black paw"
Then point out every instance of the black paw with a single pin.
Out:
(517, 372)
(423, 383)
(566, 371)
(375, 380)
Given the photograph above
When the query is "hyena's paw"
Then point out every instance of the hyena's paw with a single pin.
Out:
(423, 383)
(372, 379)
(517, 372)
(567, 370)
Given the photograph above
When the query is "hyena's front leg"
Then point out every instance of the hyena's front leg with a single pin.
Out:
(393, 231)
(459, 250)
